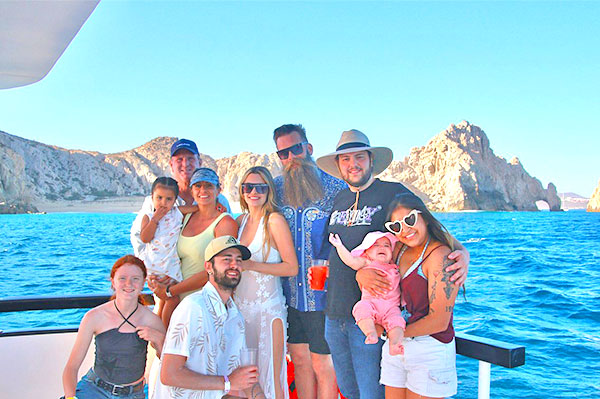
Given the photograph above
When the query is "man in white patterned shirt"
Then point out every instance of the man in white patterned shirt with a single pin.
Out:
(201, 354)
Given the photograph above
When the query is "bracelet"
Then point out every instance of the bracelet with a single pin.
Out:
(169, 295)
(227, 387)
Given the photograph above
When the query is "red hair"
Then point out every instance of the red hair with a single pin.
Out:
(130, 260)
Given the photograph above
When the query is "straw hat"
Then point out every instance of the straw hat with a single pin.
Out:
(354, 141)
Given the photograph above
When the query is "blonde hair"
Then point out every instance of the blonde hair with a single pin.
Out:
(269, 207)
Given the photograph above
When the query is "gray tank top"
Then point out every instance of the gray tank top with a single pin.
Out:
(120, 357)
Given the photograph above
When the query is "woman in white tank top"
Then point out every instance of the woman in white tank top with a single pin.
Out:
(259, 295)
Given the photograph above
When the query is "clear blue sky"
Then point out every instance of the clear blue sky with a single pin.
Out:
(227, 74)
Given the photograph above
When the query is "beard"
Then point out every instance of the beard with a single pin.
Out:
(367, 173)
(225, 282)
(301, 182)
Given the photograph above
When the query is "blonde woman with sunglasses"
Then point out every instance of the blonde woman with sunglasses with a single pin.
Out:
(259, 296)
(427, 369)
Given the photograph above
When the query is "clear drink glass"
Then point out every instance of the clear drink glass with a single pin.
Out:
(249, 357)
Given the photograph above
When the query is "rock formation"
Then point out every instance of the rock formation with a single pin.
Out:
(14, 194)
(231, 170)
(456, 170)
(594, 203)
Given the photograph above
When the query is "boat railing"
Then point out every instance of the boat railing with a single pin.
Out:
(487, 351)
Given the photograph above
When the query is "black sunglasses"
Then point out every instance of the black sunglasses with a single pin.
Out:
(296, 149)
(261, 188)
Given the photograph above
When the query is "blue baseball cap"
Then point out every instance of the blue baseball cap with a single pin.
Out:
(184, 144)
(205, 174)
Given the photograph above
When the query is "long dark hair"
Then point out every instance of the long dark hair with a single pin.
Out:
(435, 229)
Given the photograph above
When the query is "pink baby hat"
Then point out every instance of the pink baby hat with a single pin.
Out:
(370, 240)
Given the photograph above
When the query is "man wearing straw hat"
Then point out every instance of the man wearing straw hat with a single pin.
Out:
(358, 210)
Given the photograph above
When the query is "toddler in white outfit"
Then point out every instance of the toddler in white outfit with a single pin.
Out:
(160, 231)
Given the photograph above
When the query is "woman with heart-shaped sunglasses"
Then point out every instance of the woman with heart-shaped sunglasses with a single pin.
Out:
(427, 368)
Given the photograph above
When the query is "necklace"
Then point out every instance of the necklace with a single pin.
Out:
(353, 211)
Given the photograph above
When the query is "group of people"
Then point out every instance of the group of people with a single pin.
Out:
(224, 286)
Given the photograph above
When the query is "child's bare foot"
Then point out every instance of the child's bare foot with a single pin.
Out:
(371, 338)
(396, 349)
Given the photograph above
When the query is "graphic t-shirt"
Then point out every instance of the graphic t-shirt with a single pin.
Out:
(352, 223)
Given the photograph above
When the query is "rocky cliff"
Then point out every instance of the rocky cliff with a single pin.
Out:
(594, 203)
(456, 170)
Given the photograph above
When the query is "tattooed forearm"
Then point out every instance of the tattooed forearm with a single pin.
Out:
(449, 287)
(433, 288)
(256, 392)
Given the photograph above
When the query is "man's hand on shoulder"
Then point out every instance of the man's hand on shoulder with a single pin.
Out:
(460, 267)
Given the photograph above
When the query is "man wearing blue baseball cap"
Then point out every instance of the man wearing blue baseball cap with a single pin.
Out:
(184, 161)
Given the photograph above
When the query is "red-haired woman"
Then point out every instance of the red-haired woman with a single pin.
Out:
(122, 327)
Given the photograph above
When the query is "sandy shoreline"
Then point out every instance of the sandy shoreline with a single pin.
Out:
(109, 205)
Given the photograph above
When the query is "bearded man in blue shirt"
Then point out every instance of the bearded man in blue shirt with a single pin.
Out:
(306, 194)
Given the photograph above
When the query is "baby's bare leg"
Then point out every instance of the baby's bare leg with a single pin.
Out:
(367, 326)
(395, 336)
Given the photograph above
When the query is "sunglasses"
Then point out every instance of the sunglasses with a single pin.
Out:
(261, 188)
(296, 149)
(409, 220)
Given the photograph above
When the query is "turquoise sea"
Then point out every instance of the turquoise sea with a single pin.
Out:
(534, 280)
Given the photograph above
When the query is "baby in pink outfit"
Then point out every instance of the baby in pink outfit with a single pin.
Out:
(376, 252)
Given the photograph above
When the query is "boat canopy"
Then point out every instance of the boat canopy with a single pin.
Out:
(34, 34)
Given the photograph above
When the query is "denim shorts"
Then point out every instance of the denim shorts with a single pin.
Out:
(428, 367)
(86, 389)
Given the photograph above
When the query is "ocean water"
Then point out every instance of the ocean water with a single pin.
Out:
(534, 280)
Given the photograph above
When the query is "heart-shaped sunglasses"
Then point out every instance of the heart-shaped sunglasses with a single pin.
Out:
(409, 220)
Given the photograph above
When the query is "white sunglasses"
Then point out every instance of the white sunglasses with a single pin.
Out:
(409, 220)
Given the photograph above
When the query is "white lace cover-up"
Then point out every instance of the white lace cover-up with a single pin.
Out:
(259, 297)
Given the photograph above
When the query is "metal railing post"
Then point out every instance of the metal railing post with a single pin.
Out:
(483, 387)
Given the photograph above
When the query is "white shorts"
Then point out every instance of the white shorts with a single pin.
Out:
(428, 367)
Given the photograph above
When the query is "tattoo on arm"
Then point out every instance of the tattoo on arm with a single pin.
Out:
(432, 296)
(256, 392)
(449, 287)
(449, 309)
